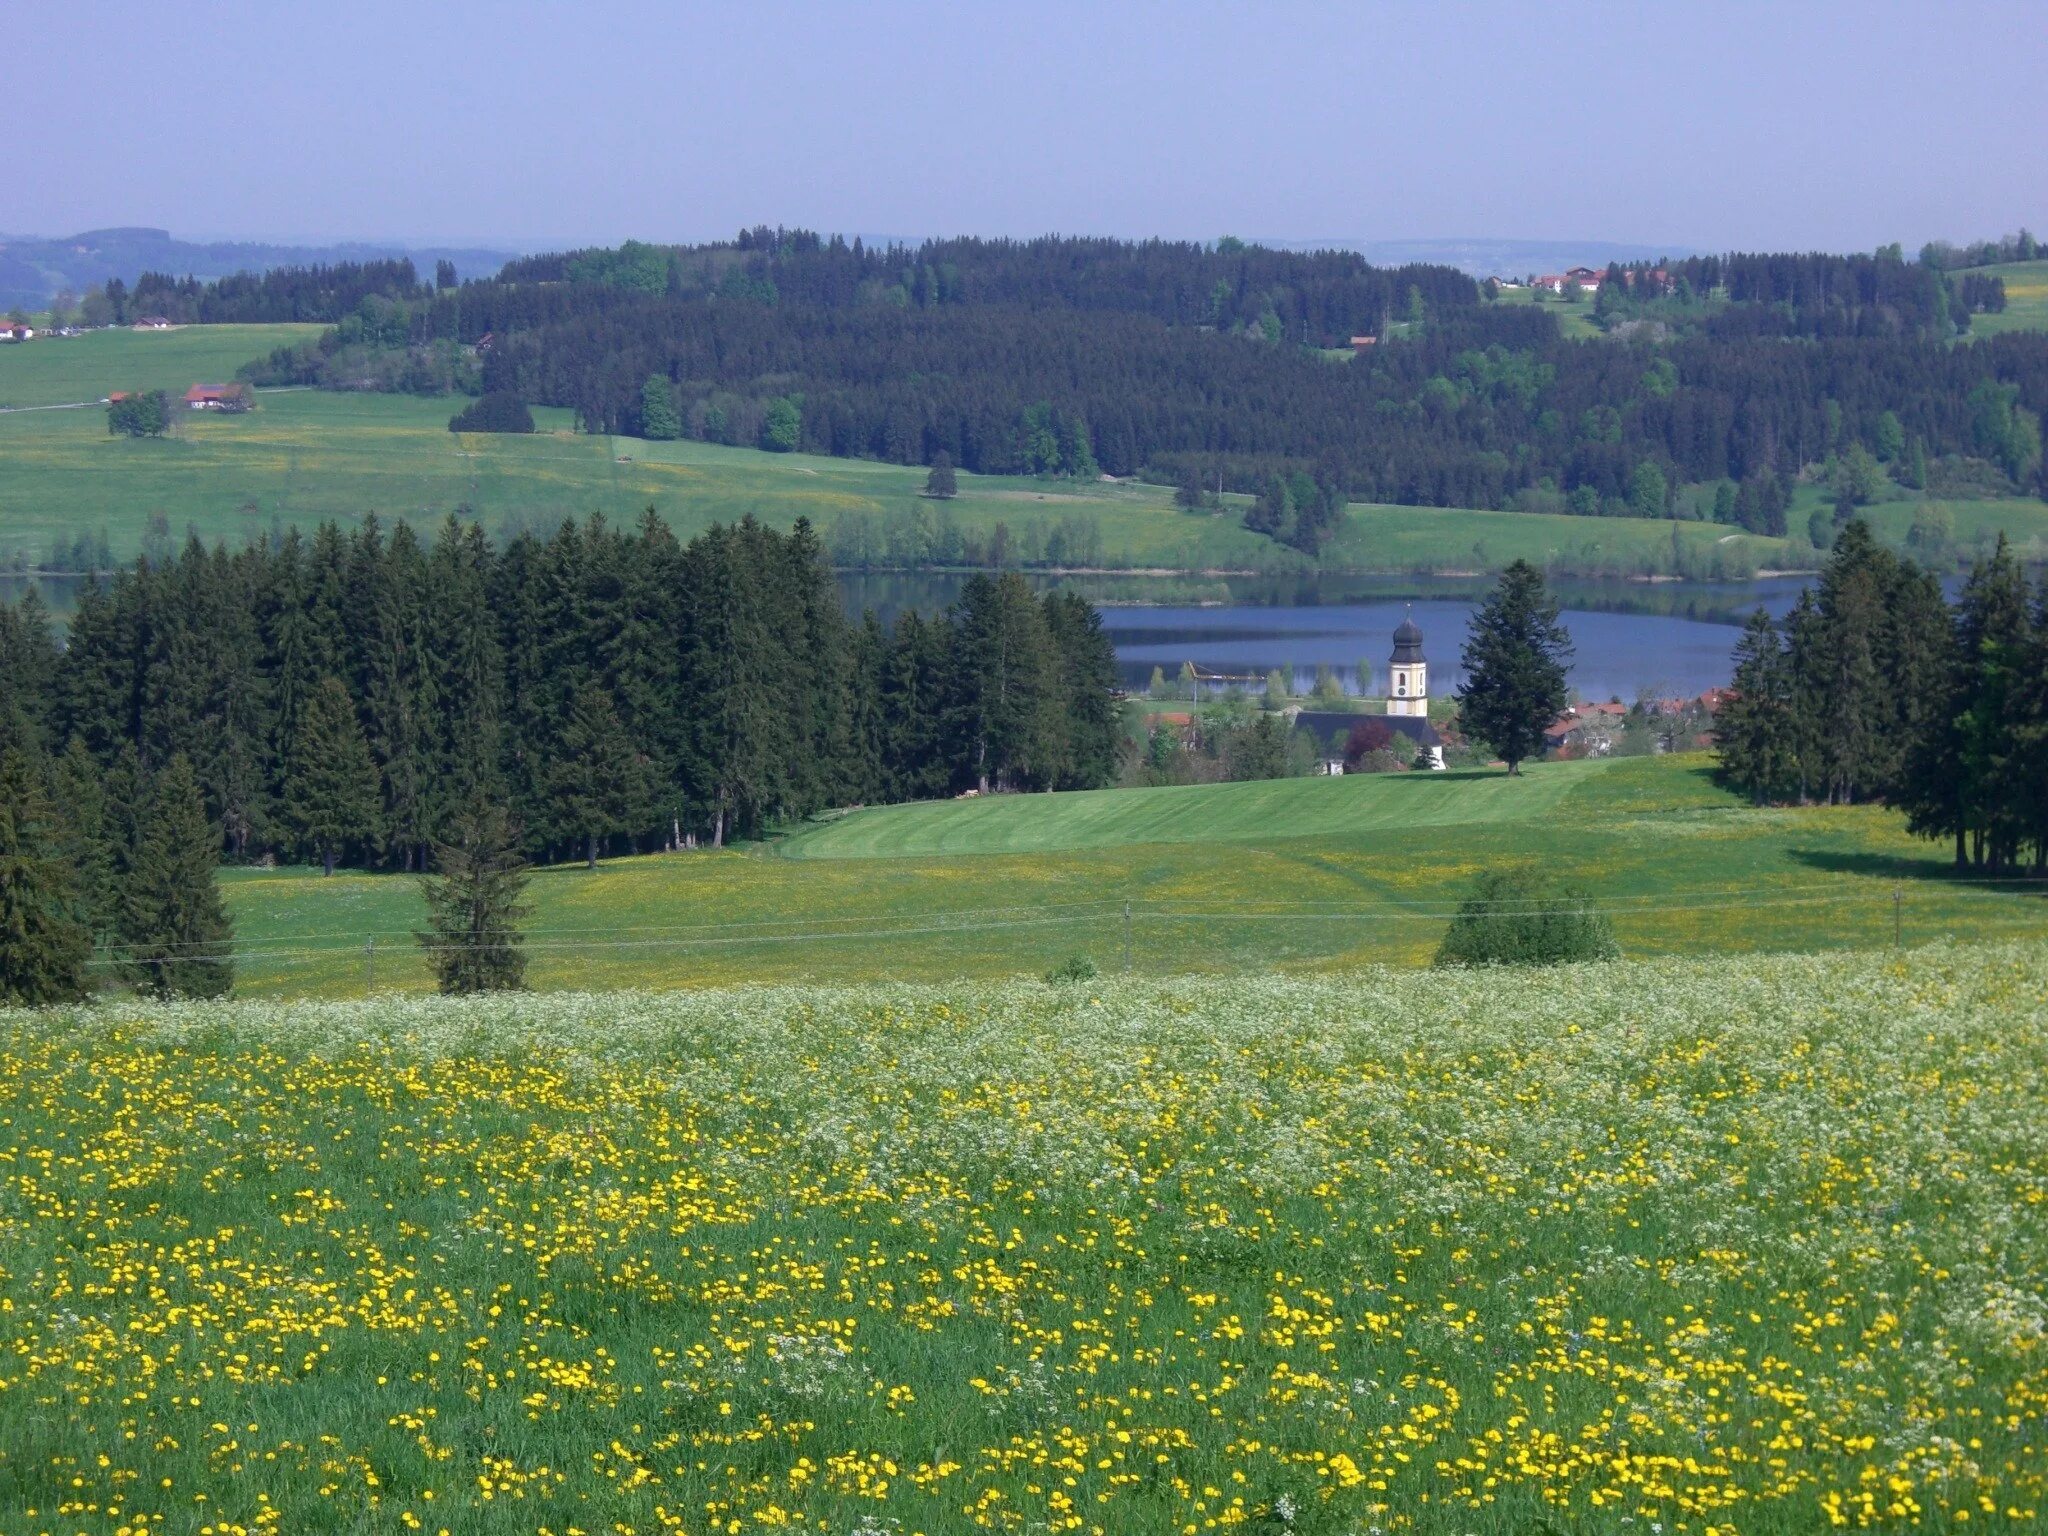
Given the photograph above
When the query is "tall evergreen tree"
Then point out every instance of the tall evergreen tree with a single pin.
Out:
(1005, 695)
(330, 792)
(94, 846)
(44, 947)
(474, 905)
(1515, 659)
(175, 936)
(464, 675)
(1753, 732)
(598, 777)
(1085, 660)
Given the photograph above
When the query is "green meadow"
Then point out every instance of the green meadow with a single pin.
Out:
(303, 456)
(65, 370)
(1292, 875)
(2026, 299)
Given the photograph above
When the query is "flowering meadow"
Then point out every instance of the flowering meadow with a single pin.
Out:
(1749, 1246)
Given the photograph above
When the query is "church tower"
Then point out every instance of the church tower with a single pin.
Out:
(1408, 680)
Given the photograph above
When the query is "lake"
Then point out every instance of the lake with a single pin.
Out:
(1671, 639)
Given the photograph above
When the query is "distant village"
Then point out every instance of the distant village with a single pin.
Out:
(1374, 731)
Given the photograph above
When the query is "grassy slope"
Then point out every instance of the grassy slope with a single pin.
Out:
(1696, 1247)
(304, 456)
(2026, 300)
(62, 370)
(1307, 874)
(1202, 813)
(1574, 320)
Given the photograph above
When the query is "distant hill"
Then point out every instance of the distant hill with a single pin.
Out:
(1494, 258)
(34, 267)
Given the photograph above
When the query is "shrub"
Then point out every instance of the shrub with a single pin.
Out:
(1073, 968)
(1513, 918)
(496, 412)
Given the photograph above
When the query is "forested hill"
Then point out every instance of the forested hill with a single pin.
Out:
(1232, 364)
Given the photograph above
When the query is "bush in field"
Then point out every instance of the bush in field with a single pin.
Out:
(496, 412)
(1073, 968)
(1512, 918)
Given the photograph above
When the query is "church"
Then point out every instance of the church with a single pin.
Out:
(1407, 704)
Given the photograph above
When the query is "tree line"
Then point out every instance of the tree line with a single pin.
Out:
(324, 293)
(342, 698)
(1876, 688)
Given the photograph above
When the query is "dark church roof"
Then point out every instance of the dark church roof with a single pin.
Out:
(1407, 642)
(1333, 727)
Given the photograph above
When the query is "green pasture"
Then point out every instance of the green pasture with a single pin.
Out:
(2026, 299)
(1291, 875)
(303, 456)
(1378, 536)
(1574, 320)
(63, 370)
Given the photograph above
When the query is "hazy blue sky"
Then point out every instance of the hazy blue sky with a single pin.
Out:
(1713, 124)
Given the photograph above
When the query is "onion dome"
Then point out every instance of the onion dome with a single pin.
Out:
(1407, 642)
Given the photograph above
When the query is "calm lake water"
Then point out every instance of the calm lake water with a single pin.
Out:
(1672, 639)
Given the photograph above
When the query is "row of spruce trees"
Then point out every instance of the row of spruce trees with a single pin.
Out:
(342, 698)
(1875, 687)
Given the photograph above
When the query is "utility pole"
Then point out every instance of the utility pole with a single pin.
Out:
(370, 964)
(1127, 938)
(1898, 919)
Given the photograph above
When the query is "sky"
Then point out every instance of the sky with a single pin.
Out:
(1714, 126)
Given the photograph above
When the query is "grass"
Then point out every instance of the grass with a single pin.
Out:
(1574, 321)
(1299, 875)
(63, 370)
(304, 456)
(1732, 1245)
(1384, 537)
(2026, 299)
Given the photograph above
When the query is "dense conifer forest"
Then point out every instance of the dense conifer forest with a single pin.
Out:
(1874, 688)
(343, 698)
(1231, 366)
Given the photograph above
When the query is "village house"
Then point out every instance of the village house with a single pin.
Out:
(217, 397)
(15, 330)
(1583, 277)
(1362, 343)
(151, 323)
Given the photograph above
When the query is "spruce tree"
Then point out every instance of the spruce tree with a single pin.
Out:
(597, 778)
(330, 790)
(95, 846)
(1753, 732)
(1004, 716)
(473, 902)
(1515, 661)
(1085, 659)
(44, 947)
(175, 935)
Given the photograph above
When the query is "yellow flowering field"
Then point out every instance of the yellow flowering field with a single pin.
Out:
(1739, 1246)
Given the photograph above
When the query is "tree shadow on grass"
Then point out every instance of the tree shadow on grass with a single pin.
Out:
(1934, 870)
